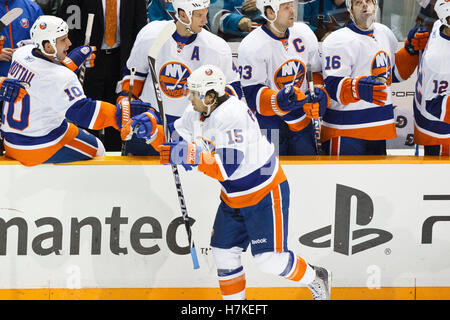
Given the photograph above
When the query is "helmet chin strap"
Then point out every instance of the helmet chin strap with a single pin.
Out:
(272, 25)
(206, 114)
(188, 26)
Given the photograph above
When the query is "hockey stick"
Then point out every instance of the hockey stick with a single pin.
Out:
(87, 39)
(316, 122)
(82, 74)
(416, 153)
(9, 17)
(130, 94)
(5, 20)
(163, 36)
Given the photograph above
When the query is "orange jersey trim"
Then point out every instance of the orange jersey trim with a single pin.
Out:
(447, 111)
(383, 132)
(405, 63)
(209, 166)
(106, 116)
(254, 197)
(318, 79)
(34, 157)
(298, 126)
(426, 140)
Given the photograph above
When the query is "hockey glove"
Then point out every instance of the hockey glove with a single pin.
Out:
(370, 90)
(287, 99)
(144, 125)
(185, 153)
(77, 56)
(316, 106)
(11, 90)
(126, 110)
(417, 40)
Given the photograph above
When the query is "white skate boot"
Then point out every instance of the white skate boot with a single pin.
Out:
(321, 286)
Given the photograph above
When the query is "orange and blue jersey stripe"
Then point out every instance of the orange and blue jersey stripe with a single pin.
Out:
(31, 151)
(249, 190)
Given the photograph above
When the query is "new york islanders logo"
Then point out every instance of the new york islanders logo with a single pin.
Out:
(381, 67)
(290, 72)
(25, 23)
(172, 79)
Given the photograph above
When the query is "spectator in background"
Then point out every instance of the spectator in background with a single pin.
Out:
(325, 16)
(17, 31)
(236, 19)
(49, 7)
(160, 10)
(427, 16)
(116, 25)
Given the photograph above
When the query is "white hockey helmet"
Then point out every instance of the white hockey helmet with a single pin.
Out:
(48, 28)
(207, 77)
(442, 8)
(189, 6)
(274, 4)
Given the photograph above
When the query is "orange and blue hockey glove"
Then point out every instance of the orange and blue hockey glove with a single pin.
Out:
(77, 56)
(287, 99)
(188, 154)
(144, 125)
(417, 40)
(316, 106)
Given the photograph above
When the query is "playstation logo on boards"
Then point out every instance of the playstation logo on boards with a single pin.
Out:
(343, 238)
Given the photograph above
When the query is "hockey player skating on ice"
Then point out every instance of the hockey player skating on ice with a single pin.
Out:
(432, 101)
(272, 60)
(189, 48)
(37, 130)
(223, 140)
(360, 62)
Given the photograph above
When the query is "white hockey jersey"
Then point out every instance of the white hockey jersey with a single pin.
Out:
(244, 161)
(351, 53)
(266, 61)
(432, 94)
(36, 127)
(175, 62)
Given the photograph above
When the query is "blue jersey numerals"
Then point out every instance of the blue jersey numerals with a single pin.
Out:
(235, 136)
(18, 115)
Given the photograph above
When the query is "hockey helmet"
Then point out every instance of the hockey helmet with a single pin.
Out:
(207, 77)
(442, 8)
(48, 28)
(189, 6)
(274, 4)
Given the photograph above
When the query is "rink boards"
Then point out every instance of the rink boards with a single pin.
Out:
(111, 229)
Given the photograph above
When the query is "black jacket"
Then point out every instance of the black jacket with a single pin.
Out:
(133, 16)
